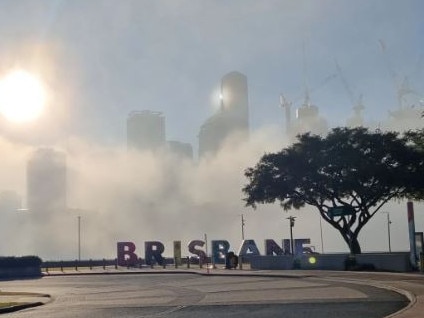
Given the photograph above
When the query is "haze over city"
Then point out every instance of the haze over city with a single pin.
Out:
(100, 60)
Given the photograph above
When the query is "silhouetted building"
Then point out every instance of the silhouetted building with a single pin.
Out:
(46, 182)
(181, 149)
(145, 130)
(10, 202)
(232, 117)
(308, 120)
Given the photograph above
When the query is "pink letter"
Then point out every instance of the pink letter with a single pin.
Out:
(126, 255)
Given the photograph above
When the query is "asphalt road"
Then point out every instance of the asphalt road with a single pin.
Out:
(190, 295)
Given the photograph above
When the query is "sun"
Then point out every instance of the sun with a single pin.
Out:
(22, 96)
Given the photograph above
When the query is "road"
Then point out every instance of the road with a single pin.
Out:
(191, 295)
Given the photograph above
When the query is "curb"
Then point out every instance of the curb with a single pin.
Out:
(14, 308)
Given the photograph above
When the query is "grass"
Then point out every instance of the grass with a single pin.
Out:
(9, 304)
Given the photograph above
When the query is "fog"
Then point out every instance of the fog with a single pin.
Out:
(138, 197)
(101, 59)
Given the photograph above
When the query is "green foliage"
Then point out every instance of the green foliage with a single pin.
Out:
(351, 167)
(19, 262)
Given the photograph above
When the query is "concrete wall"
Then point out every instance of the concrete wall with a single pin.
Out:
(396, 262)
(271, 262)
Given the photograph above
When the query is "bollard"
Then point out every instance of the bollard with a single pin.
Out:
(176, 262)
(164, 264)
(61, 266)
(104, 264)
(116, 263)
(91, 264)
(76, 264)
(188, 262)
(240, 262)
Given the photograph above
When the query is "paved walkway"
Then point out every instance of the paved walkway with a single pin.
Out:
(409, 284)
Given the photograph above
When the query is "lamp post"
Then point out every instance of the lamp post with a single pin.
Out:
(388, 230)
(291, 220)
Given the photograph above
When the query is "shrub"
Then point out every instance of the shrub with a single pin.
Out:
(19, 262)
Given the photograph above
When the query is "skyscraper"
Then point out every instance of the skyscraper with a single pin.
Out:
(145, 130)
(180, 149)
(46, 182)
(232, 117)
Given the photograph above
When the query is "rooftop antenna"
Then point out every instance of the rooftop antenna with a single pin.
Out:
(305, 76)
(286, 104)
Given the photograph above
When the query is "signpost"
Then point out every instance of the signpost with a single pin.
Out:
(340, 211)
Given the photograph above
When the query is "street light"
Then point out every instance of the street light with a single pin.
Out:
(291, 220)
(388, 229)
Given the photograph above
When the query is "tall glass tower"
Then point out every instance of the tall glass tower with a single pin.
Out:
(232, 117)
(145, 130)
(46, 182)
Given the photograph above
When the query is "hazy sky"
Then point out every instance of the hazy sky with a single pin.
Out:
(102, 59)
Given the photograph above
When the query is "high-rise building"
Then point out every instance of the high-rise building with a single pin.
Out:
(46, 182)
(180, 149)
(232, 117)
(234, 100)
(145, 130)
(10, 201)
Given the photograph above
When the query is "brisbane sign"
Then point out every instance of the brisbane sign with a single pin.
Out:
(154, 250)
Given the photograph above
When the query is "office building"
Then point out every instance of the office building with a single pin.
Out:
(145, 130)
(180, 149)
(232, 117)
(46, 182)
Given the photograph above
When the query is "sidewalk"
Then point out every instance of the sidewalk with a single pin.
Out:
(410, 285)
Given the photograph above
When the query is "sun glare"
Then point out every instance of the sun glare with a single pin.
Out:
(22, 96)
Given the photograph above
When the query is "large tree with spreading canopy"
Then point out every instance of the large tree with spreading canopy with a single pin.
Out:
(347, 175)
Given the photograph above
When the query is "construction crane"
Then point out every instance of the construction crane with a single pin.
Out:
(402, 86)
(357, 103)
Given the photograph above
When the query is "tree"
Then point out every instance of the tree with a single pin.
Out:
(347, 175)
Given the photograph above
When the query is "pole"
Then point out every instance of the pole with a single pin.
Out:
(322, 240)
(291, 240)
(291, 224)
(79, 238)
(206, 246)
(388, 230)
(242, 227)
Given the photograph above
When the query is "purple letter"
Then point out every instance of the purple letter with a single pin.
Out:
(126, 255)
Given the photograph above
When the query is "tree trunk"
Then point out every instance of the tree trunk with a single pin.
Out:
(352, 242)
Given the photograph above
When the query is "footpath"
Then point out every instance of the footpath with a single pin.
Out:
(411, 285)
